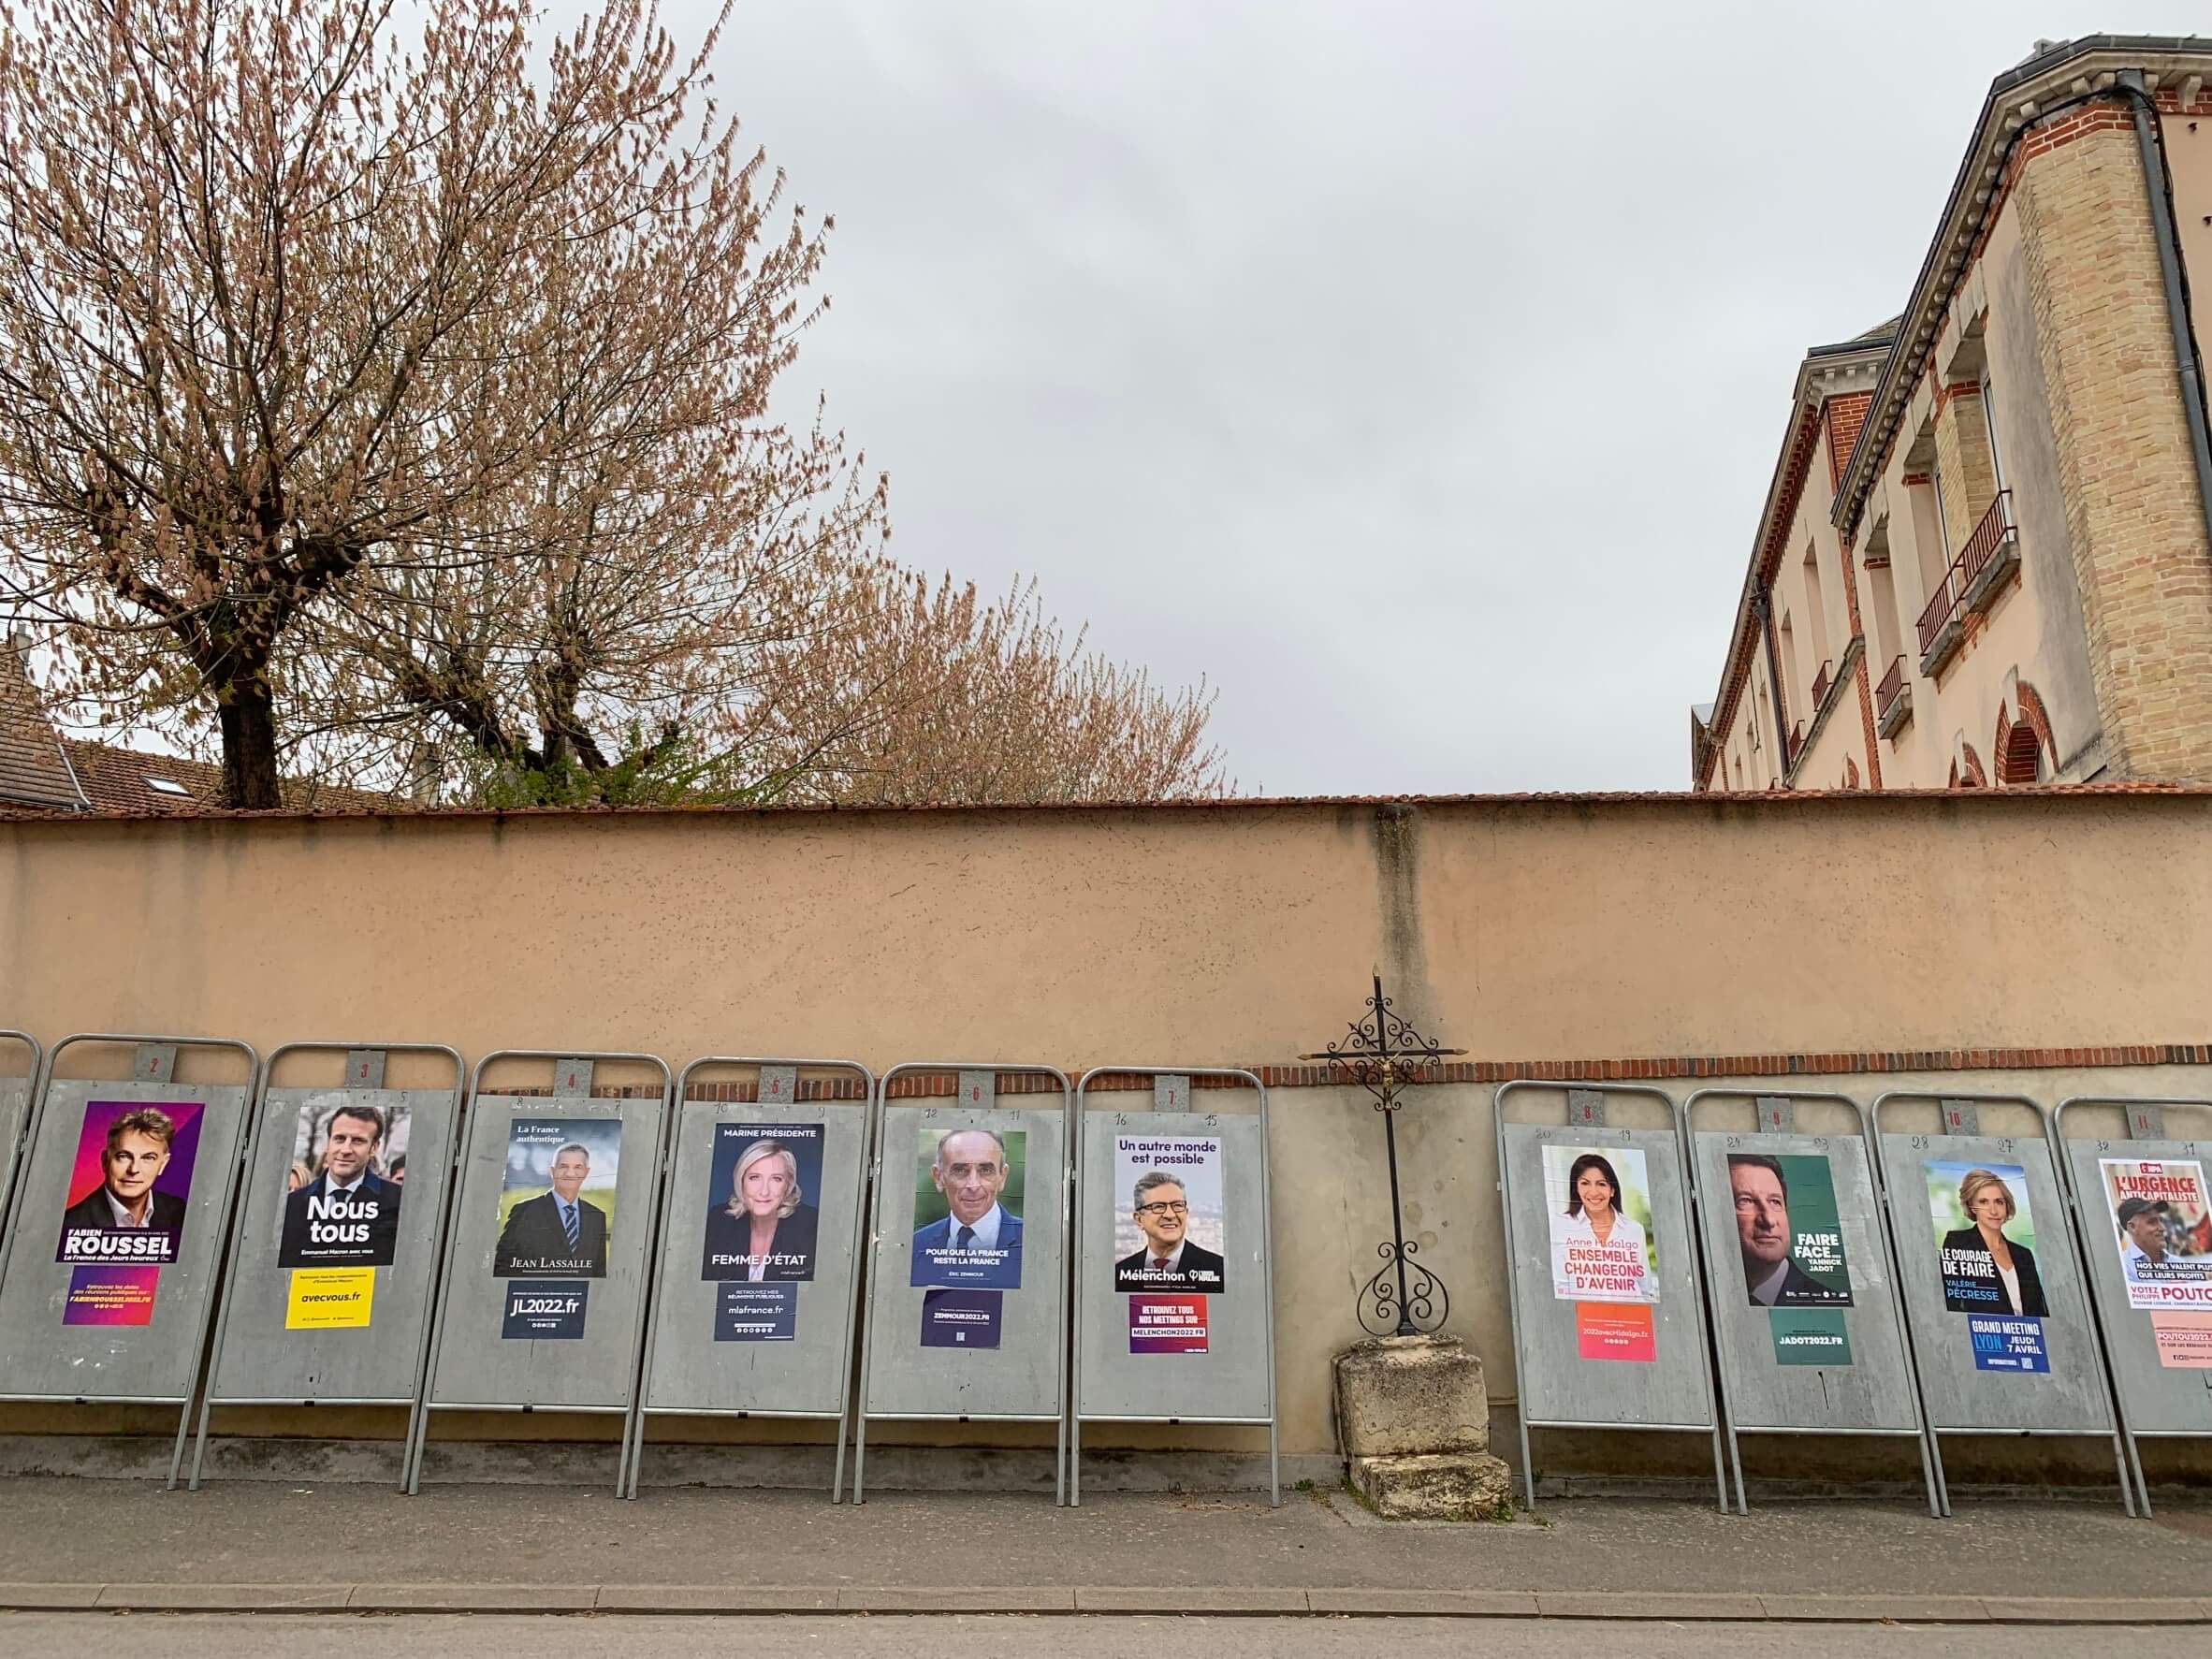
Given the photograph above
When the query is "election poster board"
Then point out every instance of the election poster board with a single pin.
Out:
(15, 1106)
(1604, 1277)
(2000, 1326)
(328, 1293)
(1173, 1270)
(544, 1280)
(2147, 1232)
(969, 1282)
(119, 1224)
(754, 1302)
(1805, 1310)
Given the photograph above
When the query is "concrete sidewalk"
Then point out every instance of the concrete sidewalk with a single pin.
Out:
(254, 1545)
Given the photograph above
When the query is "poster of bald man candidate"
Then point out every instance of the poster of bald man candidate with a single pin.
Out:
(557, 1202)
(967, 1210)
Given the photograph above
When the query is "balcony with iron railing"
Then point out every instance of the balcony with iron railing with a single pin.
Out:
(1893, 699)
(1821, 681)
(1796, 745)
(1991, 555)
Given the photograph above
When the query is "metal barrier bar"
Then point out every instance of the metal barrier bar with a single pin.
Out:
(842, 1414)
(455, 1180)
(19, 1141)
(257, 1115)
(1274, 1481)
(1521, 1355)
(1722, 1334)
(1067, 1194)
(1960, 1114)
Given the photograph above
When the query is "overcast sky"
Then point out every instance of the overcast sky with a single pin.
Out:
(1413, 372)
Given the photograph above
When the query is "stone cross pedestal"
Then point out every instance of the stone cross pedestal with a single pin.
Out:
(1413, 1419)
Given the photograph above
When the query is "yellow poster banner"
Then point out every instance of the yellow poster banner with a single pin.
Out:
(329, 1298)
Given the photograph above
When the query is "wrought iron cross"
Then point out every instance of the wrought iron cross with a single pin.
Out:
(1383, 1054)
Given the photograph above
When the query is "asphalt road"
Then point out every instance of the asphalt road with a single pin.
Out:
(186, 1635)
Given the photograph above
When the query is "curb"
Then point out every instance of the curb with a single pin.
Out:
(1125, 1601)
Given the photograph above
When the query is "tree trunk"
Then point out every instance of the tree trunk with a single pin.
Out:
(249, 746)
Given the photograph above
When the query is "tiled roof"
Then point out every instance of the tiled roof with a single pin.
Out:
(120, 779)
(32, 772)
(129, 781)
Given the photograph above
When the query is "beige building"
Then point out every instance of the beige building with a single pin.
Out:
(1986, 554)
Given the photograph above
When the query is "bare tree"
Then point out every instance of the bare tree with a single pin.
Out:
(406, 417)
(925, 695)
(293, 329)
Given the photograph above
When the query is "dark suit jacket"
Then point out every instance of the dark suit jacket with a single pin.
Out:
(1798, 1289)
(166, 1216)
(2031, 1302)
(533, 1235)
(1002, 1274)
(729, 1235)
(377, 1250)
(1199, 1270)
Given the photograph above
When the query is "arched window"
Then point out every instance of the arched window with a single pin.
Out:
(2020, 754)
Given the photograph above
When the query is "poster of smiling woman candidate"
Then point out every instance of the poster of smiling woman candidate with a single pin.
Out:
(1168, 1222)
(130, 1183)
(1984, 1238)
(557, 1202)
(968, 1211)
(1600, 1204)
(341, 1206)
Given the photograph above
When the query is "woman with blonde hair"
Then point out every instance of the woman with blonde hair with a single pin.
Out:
(766, 1229)
(1984, 1270)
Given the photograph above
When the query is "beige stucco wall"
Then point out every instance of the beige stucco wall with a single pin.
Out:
(1518, 930)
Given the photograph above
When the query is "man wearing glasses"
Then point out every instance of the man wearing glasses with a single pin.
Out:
(1169, 1261)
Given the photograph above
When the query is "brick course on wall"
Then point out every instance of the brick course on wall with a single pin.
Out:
(1299, 1074)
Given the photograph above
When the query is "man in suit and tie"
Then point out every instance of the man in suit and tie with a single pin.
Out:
(348, 1215)
(558, 1234)
(1771, 1277)
(980, 1241)
(125, 1204)
(1169, 1261)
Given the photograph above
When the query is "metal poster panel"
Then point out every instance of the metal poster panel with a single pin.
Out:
(754, 1303)
(1998, 1324)
(546, 1276)
(2146, 1226)
(329, 1288)
(971, 1264)
(1172, 1290)
(1603, 1267)
(117, 1232)
(1802, 1297)
(15, 1106)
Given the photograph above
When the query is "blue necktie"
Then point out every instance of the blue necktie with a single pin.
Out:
(966, 1238)
(568, 1217)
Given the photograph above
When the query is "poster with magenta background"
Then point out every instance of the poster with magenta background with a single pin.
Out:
(131, 1183)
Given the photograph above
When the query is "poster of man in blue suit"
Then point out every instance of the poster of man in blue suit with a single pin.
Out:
(971, 1231)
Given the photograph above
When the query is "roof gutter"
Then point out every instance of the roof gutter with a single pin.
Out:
(2157, 184)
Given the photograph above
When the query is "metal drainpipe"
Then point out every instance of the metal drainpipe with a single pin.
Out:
(1764, 607)
(2156, 185)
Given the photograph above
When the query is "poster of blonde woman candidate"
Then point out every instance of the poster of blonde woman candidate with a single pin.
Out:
(2164, 1228)
(1600, 1204)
